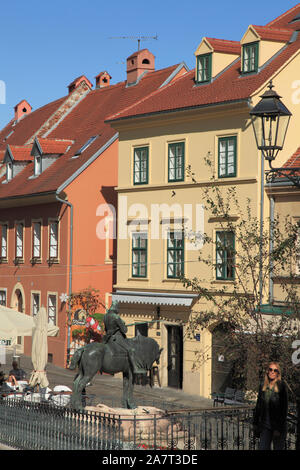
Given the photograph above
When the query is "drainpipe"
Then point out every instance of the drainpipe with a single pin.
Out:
(63, 201)
(262, 172)
(271, 285)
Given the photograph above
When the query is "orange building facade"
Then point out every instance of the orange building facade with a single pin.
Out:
(58, 205)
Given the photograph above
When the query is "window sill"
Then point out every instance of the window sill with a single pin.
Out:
(138, 279)
(171, 279)
(18, 261)
(35, 261)
(3, 261)
(52, 261)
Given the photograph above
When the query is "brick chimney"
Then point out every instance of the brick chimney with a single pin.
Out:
(102, 80)
(22, 109)
(73, 85)
(138, 63)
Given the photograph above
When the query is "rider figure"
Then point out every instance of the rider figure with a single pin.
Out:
(116, 329)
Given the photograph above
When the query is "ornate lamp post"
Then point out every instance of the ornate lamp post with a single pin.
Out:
(270, 120)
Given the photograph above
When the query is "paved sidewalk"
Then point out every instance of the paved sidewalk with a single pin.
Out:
(108, 389)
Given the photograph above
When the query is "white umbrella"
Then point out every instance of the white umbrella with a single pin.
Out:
(14, 323)
(39, 351)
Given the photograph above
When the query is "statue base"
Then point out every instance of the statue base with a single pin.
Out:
(142, 426)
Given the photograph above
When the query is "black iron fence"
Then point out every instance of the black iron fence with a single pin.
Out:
(42, 426)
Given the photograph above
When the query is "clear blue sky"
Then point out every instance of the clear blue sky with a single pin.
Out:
(45, 45)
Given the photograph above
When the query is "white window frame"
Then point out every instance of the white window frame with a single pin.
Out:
(3, 292)
(52, 318)
(34, 306)
(36, 254)
(19, 240)
(53, 255)
(4, 246)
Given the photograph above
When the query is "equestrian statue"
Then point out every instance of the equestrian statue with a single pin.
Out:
(116, 353)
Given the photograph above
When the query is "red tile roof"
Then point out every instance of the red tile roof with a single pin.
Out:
(224, 45)
(27, 126)
(284, 20)
(294, 160)
(21, 153)
(54, 146)
(272, 34)
(86, 119)
(229, 86)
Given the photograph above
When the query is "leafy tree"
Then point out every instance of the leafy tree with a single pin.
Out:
(251, 338)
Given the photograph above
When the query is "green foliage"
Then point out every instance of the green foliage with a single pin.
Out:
(260, 251)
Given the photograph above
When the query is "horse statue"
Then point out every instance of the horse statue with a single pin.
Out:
(111, 358)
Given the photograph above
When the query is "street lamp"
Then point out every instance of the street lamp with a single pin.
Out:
(270, 120)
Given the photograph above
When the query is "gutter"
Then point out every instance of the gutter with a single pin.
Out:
(63, 201)
(175, 110)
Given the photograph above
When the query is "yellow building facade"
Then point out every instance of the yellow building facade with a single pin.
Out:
(204, 114)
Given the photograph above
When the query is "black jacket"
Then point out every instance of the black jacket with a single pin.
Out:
(278, 408)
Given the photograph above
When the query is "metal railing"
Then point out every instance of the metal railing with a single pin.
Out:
(43, 426)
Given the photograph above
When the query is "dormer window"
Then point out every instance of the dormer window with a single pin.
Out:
(204, 63)
(250, 58)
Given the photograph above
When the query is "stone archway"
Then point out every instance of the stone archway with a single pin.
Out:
(18, 298)
(18, 303)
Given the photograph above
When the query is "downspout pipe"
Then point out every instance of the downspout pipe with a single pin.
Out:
(262, 173)
(63, 201)
(272, 212)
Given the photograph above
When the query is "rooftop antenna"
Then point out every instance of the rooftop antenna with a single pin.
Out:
(136, 38)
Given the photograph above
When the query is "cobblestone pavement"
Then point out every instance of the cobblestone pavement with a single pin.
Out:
(108, 389)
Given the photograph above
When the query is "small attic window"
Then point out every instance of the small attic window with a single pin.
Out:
(9, 171)
(37, 165)
(250, 58)
(146, 61)
(204, 63)
(85, 146)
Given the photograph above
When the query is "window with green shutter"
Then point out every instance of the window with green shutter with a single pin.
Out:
(176, 162)
(227, 157)
(204, 68)
(140, 165)
(225, 242)
(139, 255)
(250, 58)
(175, 255)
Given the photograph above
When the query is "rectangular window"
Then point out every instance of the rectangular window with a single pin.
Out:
(4, 232)
(53, 240)
(225, 255)
(35, 304)
(52, 309)
(176, 162)
(250, 58)
(175, 255)
(36, 239)
(37, 165)
(227, 157)
(139, 254)
(140, 165)
(3, 298)
(204, 68)
(9, 171)
(19, 240)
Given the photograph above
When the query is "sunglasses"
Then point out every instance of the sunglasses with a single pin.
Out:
(273, 370)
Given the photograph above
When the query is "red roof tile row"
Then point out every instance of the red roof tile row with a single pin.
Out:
(84, 121)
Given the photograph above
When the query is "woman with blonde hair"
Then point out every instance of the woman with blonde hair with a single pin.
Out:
(270, 414)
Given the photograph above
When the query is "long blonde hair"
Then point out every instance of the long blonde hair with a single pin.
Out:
(278, 379)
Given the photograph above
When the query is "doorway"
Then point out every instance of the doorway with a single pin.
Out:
(221, 365)
(175, 356)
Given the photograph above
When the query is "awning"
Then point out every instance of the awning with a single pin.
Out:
(154, 298)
